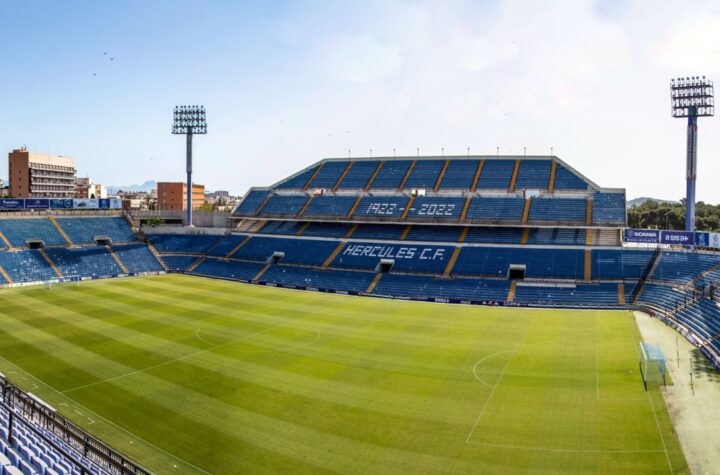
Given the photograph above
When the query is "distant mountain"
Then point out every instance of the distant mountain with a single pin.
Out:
(640, 201)
(147, 186)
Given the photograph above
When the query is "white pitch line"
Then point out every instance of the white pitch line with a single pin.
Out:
(108, 421)
(164, 363)
(474, 370)
(487, 401)
(548, 449)
(662, 439)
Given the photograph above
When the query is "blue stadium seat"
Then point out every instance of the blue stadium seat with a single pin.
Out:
(297, 251)
(434, 233)
(190, 243)
(327, 229)
(379, 231)
(283, 205)
(495, 209)
(359, 175)
(408, 257)
(88, 261)
(330, 206)
(608, 208)
(18, 231)
(137, 258)
(25, 266)
(459, 174)
(289, 228)
(226, 244)
(496, 174)
(252, 201)
(497, 235)
(564, 210)
(557, 236)
(683, 266)
(391, 175)
(436, 208)
(328, 175)
(298, 180)
(423, 287)
(424, 174)
(348, 281)
(567, 180)
(381, 207)
(84, 230)
(228, 269)
(584, 295)
(179, 263)
(540, 263)
(619, 264)
(533, 174)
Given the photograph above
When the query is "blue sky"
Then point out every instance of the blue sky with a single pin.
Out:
(288, 83)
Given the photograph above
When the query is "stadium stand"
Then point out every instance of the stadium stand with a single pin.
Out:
(283, 205)
(459, 175)
(533, 174)
(187, 243)
(391, 175)
(496, 209)
(85, 229)
(496, 174)
(299, 180)
(424, 174)
(252, 201)
(359, 175)
(330, 206)
(18, 231)
(559, 210)
(567, 180)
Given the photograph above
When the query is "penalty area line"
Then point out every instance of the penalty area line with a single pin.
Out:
(549, 449)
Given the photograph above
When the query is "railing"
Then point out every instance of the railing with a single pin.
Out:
(47, 424)
(645, 274)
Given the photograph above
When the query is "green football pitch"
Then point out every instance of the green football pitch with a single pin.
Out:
(193, 375)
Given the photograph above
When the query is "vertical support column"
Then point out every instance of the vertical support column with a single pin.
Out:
(691, 172)
(188, 213)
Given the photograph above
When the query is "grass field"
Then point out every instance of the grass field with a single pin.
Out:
(190, 375)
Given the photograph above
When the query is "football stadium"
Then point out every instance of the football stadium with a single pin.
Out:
(410, 314)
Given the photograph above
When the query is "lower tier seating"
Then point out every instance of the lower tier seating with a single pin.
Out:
(591, 295)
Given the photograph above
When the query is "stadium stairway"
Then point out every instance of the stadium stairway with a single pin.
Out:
(50, 262)
(60, 230)
(157, 255)
(117, 259)
(5, 240)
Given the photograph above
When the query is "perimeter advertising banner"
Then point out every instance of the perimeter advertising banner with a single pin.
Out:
(37, 203)
(12, 204)
(115, 203)
(86, 203)
(104, 203)
(684, 238)
(61, 204)
(702, 239)
(649, 236)
(714, 240)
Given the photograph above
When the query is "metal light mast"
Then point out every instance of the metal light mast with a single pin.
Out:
(189, 121)
(691, 97)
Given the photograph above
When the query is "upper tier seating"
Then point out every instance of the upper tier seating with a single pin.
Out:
(189, 243)
(459, 175)
(328, 175)
(379, 231)
(540, 263)
(476, 290)
(229, 269)
(359, 175)
(321, 279)
(495, 209)
(251, 202)
(608, 208)
(226, 244)
(283, 205)
(137, 258)
(683, 266)
(330, 206)
(299, 180)
(424, 174)
(436, 208)
(84, 261)
(567, 180)
(297, 251)
(534, 174)
(391, 175)
(18, 231)
(84, 230)
(496, 174)
(558, 210)
(381, 207)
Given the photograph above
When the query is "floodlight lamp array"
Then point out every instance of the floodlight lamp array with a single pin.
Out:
(692, 96)
(189, 120)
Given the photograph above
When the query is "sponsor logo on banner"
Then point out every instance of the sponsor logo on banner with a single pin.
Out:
(115, 203)
(37, 203)
(12, 204)
(61, 204)
(714, 240)
(685, 238)
(85, 203)
(642, 235)
(702, 239)
(104, 203)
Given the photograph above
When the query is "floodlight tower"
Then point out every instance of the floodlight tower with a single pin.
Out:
(189, 121)
(691, 97)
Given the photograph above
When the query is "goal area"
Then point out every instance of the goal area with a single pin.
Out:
(652, 364)
(73, 280)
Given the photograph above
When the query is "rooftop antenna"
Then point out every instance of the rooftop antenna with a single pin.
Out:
(524, 151)
(443, 151)
(393, 153)
(189, 121)
(468, 151)
(497, 151)
(691, 97)
(370, 153)
(551, 151)
(348, 153)
(418, 152)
